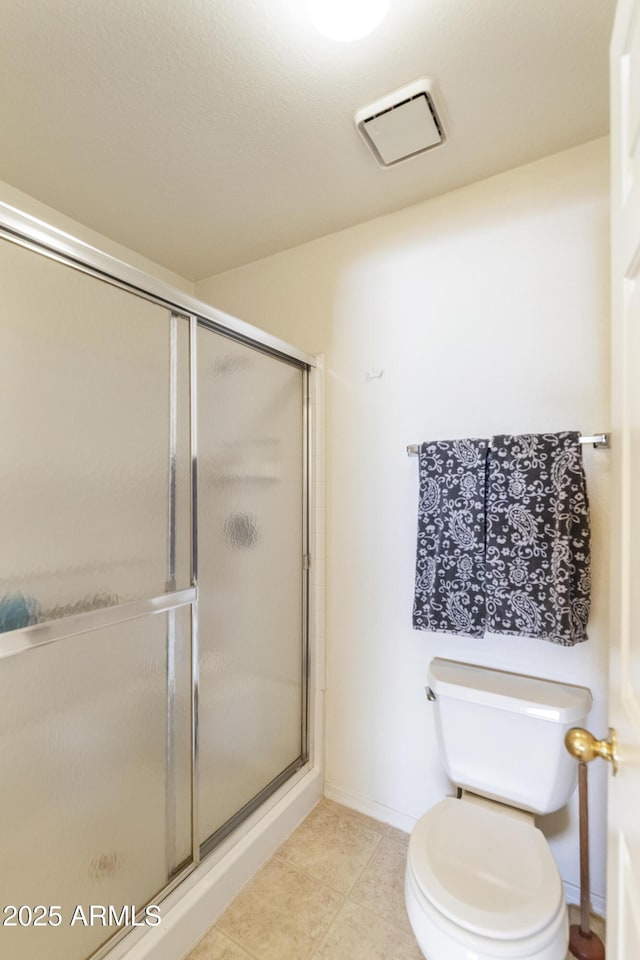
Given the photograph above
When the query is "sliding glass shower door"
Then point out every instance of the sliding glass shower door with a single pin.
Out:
(251, 546)
(95, 604)
(152, 602)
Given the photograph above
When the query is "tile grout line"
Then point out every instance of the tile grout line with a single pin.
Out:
(383, 836)
(327, 886)
(403, 933)
(321, 942)
(235, 942)
(322, 939)
(370, 909)
(370, 858)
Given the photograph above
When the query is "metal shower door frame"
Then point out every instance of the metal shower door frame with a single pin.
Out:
(41, 238)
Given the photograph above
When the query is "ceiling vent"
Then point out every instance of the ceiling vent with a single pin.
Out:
(403, 124)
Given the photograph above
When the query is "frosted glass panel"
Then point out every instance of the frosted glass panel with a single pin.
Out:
(86, 787)
(85, 440)
(250, 515)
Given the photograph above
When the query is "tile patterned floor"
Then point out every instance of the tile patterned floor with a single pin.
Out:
(333, 891)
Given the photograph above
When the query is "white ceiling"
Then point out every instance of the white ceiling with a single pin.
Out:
(208, 133)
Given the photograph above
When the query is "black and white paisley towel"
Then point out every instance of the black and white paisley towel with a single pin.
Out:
(537, 551)
(449, 590)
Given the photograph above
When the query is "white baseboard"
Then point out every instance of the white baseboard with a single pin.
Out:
(379, 811)
(598, 902)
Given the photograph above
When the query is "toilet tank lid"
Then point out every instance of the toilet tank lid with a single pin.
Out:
(542, 699)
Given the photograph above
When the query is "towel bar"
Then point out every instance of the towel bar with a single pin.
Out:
(599, 440)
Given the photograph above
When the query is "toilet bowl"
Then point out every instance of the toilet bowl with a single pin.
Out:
(481, 882)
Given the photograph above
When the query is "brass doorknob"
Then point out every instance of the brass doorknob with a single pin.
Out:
(584, 747)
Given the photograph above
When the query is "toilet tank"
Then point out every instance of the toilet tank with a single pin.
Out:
(501, 735)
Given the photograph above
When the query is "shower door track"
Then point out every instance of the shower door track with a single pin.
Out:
(227, 828)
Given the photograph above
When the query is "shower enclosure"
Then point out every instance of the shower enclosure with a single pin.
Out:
(153, 590)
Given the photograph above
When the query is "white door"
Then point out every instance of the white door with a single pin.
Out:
(623, 935)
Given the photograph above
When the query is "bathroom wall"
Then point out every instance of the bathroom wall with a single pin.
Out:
(482, 311)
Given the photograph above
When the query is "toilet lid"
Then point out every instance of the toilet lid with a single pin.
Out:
(485, 869)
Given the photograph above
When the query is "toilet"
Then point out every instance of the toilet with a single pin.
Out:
(481, 882)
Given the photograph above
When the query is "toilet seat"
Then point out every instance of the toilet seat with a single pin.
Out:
(486, 868)
(441, 939)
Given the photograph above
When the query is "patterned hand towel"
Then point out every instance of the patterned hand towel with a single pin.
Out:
(449, 591)
(537, 562)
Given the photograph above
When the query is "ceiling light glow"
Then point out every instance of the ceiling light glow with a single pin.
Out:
(346, 20)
